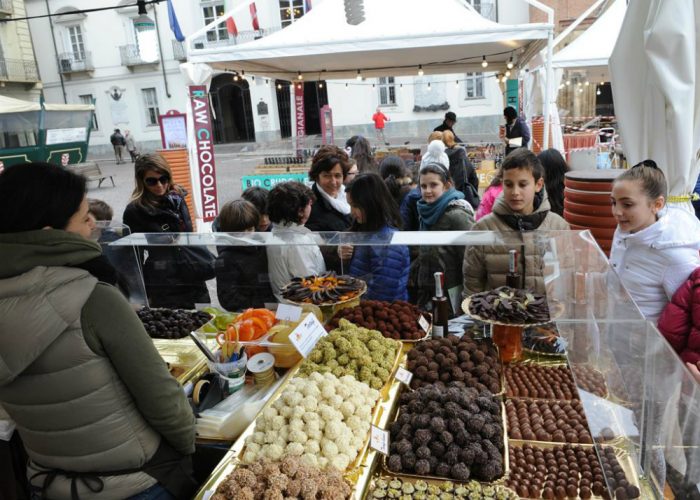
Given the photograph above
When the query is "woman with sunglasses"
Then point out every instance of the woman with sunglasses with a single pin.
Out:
(158, 206)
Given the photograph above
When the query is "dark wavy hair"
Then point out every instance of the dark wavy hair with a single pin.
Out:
(362, 154)
(326, 158)
(396, 177)
(369, 193)
(257, 196)
(525, 159)
(286, 200)
(555, 169)
(38, 195)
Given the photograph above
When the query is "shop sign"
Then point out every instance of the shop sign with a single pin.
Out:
(300, 114)
(270, 181)
(206, 166)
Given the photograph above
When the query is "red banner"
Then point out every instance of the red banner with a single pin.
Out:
(254, 16)
(300, 114)
(205, 151)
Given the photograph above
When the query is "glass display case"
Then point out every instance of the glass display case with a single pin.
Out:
(640, 401)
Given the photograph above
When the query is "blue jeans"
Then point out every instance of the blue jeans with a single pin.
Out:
(155, 492)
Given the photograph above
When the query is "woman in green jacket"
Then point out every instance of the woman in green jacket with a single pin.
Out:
(441, 208)
(98, 412)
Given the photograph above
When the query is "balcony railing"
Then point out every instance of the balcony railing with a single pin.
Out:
(5, 7)
(69, 62)
(18, 70)
(211, 40)
(179, 53)
(131, 56)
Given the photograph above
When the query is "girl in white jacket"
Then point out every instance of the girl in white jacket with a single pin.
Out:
(655, 248)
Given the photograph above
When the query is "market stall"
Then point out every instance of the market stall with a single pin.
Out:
(379, 405)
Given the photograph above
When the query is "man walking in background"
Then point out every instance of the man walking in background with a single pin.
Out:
(447, 124)
(118, 142)
(379, 118)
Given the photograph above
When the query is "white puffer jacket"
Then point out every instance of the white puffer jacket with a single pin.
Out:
(655, 261)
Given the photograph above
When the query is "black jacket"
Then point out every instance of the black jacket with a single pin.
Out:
(517, 129)
(463, 175)
(165, 284)
(444, 126)
(242, 279)
(326, 218)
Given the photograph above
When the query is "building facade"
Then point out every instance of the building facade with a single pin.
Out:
(19, 76)
(132, 73)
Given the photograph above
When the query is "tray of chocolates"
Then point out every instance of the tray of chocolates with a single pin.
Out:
(547, 420)
(529, 380)
(544, 340)
(385, 486)
(590, 380)
(570, 471)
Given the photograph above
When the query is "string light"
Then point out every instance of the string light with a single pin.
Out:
(568, 82)
(420, 70)
(598, 92)
(252, 78)
(400, 85)
(359, 76)
(242, 74)
(484, 62)
(267, 82)
(429, 87)
(373, 85)
(507, 73)
(346, 86)
(587, 83)
(279, 86)
(580, 90)
(456, 83)
(510, 63)
(320, 85)
(299, 75)
(235, 78)
(299, 86)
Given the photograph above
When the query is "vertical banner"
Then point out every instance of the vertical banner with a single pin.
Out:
(300, 115)
(327, 136)
(205, 151)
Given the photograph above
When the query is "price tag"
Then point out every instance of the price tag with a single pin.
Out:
(379, 440)
(305, 336)
(423, 323)
(403, 375)
(286, 312)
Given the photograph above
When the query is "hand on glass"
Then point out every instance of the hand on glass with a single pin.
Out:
(345, 252)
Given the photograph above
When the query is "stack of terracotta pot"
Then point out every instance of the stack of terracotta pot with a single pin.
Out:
(587, 203)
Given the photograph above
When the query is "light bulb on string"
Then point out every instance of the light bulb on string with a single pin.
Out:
(420, 70)
(359, 75)
(279, 86)
(252, 78)
(320, 85)
(456, 83)
(507, 73)
(242, 74)
(299, 75)
(484, 62)
(598, 92)
(373, 86)
(568, 82)
(429, 87)
(587, 83)
(235, 78)
(510, 63)
(400, 85)
(267, 82)
(346, 86)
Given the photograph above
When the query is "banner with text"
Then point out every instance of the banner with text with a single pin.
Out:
(271, 180)
(300, 115)
(206, 166)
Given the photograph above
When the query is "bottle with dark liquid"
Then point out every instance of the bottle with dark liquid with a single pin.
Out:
(513, 278)
(509, 338)
(441, 308)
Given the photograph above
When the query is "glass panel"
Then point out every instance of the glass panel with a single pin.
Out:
(19, 130)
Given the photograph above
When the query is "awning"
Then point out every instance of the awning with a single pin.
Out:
(10, 105)
(443, 36)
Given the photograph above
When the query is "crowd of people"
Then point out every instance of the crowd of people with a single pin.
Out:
(131, 429)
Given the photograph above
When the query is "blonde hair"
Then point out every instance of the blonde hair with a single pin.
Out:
(448, 138)
(144, 163)
(435, 136)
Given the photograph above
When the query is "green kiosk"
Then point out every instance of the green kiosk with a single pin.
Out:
(37, 131)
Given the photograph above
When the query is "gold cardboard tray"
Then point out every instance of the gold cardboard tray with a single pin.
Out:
(357, 473)
(506, 459)
(551, 401)
(500, 490)
(626, 461)
(182, 355)
(559, 308)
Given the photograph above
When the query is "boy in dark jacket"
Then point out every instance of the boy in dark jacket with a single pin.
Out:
(242, 279)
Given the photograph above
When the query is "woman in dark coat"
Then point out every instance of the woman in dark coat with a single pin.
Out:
(330, 211)
(158, 205)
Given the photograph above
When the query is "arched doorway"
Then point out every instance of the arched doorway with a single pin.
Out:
(233, 110)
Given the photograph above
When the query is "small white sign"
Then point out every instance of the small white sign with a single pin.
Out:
(423, 323)
(379, 440)
(305, 336)
(64, 135)
(286, 312)
(403, 375)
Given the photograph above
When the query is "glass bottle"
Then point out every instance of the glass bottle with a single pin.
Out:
(441, 309)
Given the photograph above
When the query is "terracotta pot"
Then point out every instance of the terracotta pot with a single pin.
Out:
(603, 175)
(594, 186)
(599, 233)
(590, 220)
(587, 209)
(587, 198)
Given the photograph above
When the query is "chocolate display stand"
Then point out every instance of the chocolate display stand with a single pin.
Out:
(509, 336)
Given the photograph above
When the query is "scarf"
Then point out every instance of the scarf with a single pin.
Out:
(339, 202)
(430, 213)
(529, 222)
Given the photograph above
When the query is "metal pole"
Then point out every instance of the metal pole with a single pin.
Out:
(55, 51)
(160, 50)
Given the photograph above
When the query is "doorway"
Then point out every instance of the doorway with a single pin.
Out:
(604, 105)
(233, 110)
(315, 97)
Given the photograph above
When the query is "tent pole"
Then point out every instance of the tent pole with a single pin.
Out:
(550, 43)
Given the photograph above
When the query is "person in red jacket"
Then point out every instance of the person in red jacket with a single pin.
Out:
(680, 320)
(379, 118)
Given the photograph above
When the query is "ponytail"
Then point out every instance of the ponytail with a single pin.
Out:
(651, 177)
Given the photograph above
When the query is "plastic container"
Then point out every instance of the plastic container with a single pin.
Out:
(233, 372)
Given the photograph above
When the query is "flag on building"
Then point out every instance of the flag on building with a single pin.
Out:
(174, 25)
(231, 26)
(254, 16)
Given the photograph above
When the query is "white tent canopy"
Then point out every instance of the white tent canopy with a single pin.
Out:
(444, 36)
(592, 49)
(11, 105)
(656, 86)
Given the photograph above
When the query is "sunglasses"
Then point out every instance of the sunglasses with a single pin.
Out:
(152, 181)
